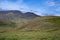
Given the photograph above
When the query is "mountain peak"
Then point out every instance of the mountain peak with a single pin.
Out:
(30, 15)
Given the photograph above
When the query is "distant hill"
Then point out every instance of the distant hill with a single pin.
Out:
(17, 14)
(10, 14)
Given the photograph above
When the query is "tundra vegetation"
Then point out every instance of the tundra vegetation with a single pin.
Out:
(40, 28)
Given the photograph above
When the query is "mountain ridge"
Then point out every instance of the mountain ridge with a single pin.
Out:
(16, 13)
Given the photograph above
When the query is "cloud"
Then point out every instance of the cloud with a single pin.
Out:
(50, 3)
(14, 5)
(39, 11)
(19, 5)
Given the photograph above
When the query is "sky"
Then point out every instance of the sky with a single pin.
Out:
(39, 7)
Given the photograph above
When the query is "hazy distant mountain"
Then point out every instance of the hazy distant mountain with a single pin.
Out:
(17, 14)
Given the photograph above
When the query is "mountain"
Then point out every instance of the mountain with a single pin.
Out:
(17, 14)
(11, 14)
(8, 17)
(30, 15)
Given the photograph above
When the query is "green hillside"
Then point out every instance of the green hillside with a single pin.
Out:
(43, 23)
(41, 28)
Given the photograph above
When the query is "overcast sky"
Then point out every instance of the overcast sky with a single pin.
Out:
(40, 7)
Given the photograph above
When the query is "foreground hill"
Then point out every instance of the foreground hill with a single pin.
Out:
(43, 23)
(39, 28)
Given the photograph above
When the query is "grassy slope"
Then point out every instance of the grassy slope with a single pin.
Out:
(43, 24)
(43, 28)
